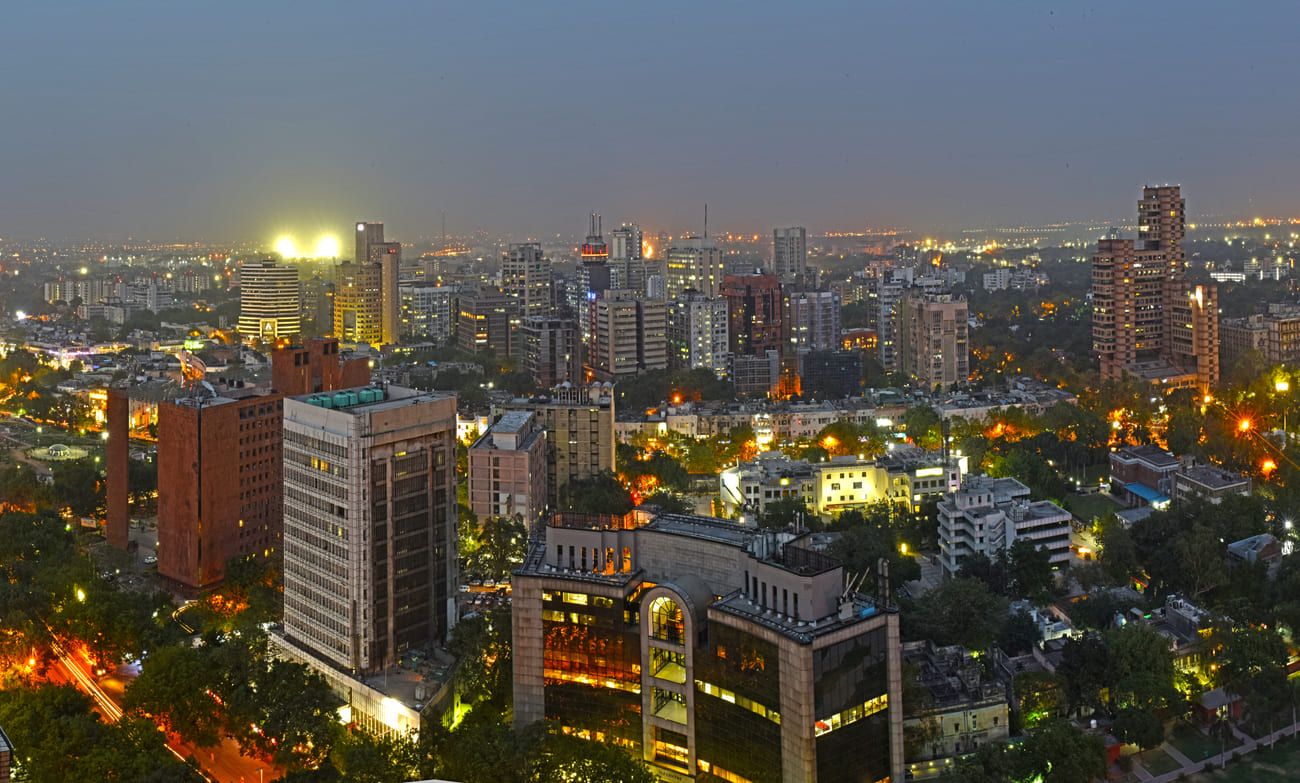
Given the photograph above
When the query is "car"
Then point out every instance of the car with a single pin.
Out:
(464, 588)
(489, 583)
(151, 560)
(476, 582)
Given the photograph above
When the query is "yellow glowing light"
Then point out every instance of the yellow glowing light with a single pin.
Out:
(647, 250)
(1282, 386)
(902, 548)
(1268, 467)
(327, 247)
(1243, 425)
(286, 247)
(81, 595)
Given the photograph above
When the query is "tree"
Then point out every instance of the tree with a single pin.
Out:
(78, 485)
(1251, 664)
(784, 513)
(1041, 695)
(1069, 755)
(175, 687)
(565, 757)
(1139, 667)
(600, 494)
(1139, 727)
(923, 427)
(482, 644)
(1119, 559)
(1030, 469)
(992, 572)
(1019, 635)
(961, 611)
(502, 541)
(865, 539)
(296, 715)
(1083, 669)
(1030, 569)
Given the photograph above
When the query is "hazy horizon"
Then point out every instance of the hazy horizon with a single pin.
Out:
(178, 122)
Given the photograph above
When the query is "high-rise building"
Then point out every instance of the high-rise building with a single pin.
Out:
(933, 339)
(627, 256)
(358, 311)
(811, 321)
(549, 350)
(316, 366)
(826, 375)
(370, 524)
(789, 253)
(754, 313)
(630, 335)
(697, 333)
(1147, 323)
(579, 423)
(1274, 336)
(709, 650)
(693, 262)
(485, 316)
(387, 256)
(594, 276)
(526, 278)
(219, 483)
(270, 301)
(429, 311)
(987, 515)
(507, 469)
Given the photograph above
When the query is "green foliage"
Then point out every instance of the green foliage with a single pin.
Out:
(79, 486)
(600, 494)
(1084, 670)
(921, 423)
(1056, 752)
(960, 611)
(1140, 727)
(1252, 664)
(173, 688)
(783, 513)
(1030, 570)
(482, 644)
(494, 548)
(57, 736)
(1184, 548)
(1139, 668)
(1019, 635)
(1042, 696)
(657, 387)
(1119, 558)
(1030, 469)
(879, 532)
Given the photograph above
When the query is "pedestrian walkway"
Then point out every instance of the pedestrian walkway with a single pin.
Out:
(1189, 767)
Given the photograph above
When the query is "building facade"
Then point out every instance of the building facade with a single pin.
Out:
(358, 299)
(811, 321)
(370, 524)
(693, 262)
(697, 333)
(987, 515)
(753, 314)
(484, 324)
(219, 483)
(270, 301)
(933, 340)
(526, 278)
(1147, 323)
(709, 651)
(316, 366)
(550, 351)
(789, 253)
(507, 469)
(630, 335)
(429, 311)
(579, 424)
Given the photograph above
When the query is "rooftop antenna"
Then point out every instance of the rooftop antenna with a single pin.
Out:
(706, 220)
(444, 229)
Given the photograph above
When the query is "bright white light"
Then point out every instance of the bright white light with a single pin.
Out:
(20, 315)
(327, 247)
(286, 247)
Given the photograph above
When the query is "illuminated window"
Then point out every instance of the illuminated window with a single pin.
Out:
(666, 620)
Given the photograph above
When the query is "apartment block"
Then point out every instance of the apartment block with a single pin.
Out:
(987, 515)
(630, 335)
(507, 469)
(933, 339)
(697, 333)
(579, 424)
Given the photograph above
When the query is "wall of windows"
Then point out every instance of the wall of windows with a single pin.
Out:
(851, 699)
(737, 706)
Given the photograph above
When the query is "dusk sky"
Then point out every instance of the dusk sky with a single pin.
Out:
(234, 120)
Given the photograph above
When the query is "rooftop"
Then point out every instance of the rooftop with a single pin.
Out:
(859, 609)
(1152, 455)
(1213, 477)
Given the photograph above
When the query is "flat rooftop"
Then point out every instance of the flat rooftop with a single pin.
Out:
(1214, 477)
(802, 631)
(368, 399)
(706, 528)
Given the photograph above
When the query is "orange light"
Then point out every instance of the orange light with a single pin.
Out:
(1243, 425)
(1267, 467)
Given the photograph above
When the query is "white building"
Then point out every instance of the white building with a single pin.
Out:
(270, 301)
(997, 280)
(812, 321)
(428, 311)
(987, 515)
(369, 525)
(526, 278)
(697, 332)
(692, 262)
(789, 252)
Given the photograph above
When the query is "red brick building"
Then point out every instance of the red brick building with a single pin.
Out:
(118, 450)
(219, 483)
(316, 366)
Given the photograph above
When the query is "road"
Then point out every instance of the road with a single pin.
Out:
(221, 764)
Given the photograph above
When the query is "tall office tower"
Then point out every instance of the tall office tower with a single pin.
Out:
(630, 335)
(507, 469)
(811, 321)
(693, 262)
(753, 313)
(370, 524)
(1147, 323)
(429, 311)
(484, 323)
(626, 254)
(358, 311)
(218, 483)
(697, 333)
(316, 366)
(372, 249)
(270, 301)
(789, 253)
(526, 278)
(579, 423)
(550, 351)
(595, 275)
(710, 651)
(933, 339)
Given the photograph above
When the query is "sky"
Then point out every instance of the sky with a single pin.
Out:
(241, 120)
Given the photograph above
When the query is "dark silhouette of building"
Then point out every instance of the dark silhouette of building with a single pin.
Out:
(753, 313)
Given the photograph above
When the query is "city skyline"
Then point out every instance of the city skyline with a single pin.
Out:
(194, 124)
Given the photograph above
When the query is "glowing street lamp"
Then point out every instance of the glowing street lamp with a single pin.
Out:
(1243, 425)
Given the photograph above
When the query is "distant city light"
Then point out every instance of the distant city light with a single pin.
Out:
(327, 247)
(286, 247)
(1243, 425)
(20, 315)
